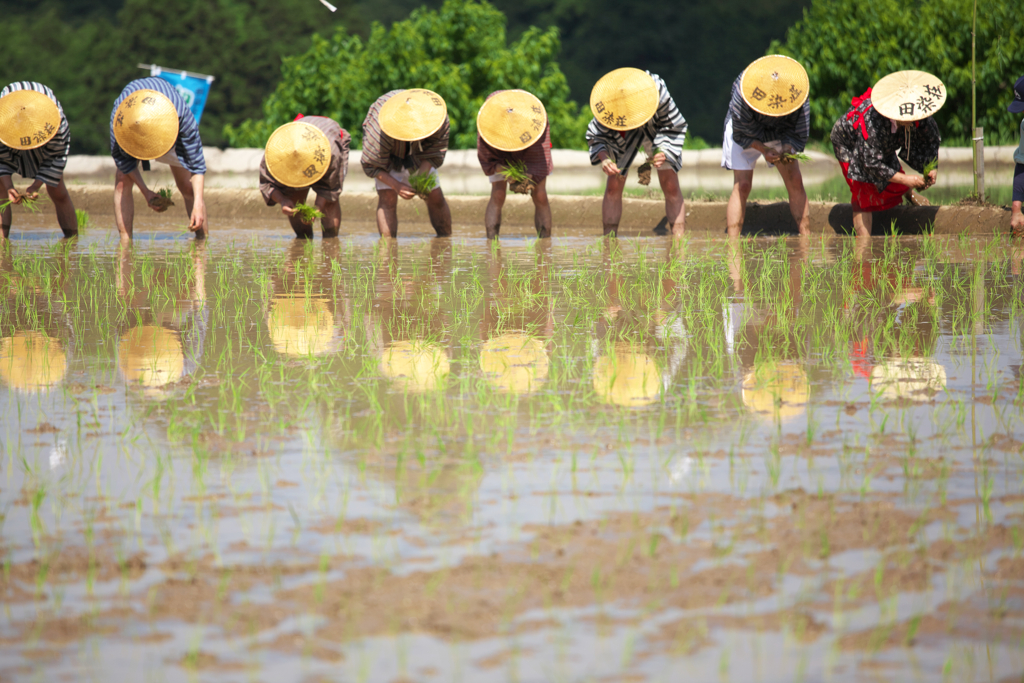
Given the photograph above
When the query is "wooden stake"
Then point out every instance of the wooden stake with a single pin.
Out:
(979, 163)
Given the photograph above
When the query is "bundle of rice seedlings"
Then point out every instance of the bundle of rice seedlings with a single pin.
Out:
(790, 157)
(644, 172)
(422, 183)
(307, 214)
(162, 201)
(519, 181)
(932, 165)
(30, 204)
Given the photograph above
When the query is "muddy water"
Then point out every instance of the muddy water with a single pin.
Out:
(259, 459)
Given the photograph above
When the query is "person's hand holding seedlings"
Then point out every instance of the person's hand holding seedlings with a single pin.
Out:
(658, 159)
(610, 168)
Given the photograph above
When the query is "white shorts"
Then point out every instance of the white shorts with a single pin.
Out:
(403, 177)
(735, 158)
(171, 159)
(496, 178)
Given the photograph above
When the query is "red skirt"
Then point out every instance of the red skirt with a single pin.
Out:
(866, 196)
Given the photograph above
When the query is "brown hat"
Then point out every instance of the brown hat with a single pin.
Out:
(624, 99)
(28, 119)
(298, 154)
(908, 95)
(775, 85)
(511, 120)
(411, 115)
(146, 124)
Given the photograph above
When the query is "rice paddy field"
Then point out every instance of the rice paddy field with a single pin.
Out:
(580, 459)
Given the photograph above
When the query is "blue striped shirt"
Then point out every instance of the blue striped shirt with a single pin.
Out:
(44, 163)
(188, 146)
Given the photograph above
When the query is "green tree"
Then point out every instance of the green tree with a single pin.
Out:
(460, 51)
(847, 45)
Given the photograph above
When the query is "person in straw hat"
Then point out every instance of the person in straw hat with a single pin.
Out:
(34, 143)
(633, 109)
(150, 121)
(890, 121)
(311, 152)
(406, 131)
(1016, 107)
(769, 115)
(513, 130)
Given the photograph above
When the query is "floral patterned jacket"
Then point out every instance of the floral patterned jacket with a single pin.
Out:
(866, 141)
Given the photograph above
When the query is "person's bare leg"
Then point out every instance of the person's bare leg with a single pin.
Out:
(302, 231)
(611, 205)
(861, 223)
(492, 216)
(387, 213)
(440, 214)
(798, 204)
(736, 210)
(331, 222)
(5, 221)
(675, 206)
(124, 204)
(61, 199)
(541, 208)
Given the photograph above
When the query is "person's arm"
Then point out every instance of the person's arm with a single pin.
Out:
(1016, 217)
(598, 141)
(197, 221)
(404, 191)
(924, 149)
(12, 193)
(671, 130)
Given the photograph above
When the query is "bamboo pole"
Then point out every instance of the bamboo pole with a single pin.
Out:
(974, 95)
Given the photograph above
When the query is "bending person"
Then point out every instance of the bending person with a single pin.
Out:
(514, 148)
(769, 115)
(633, 109)
(150, 121)
(34, 143)
(311, 152)
(406, 131)
(889, 122)
(1017, 217)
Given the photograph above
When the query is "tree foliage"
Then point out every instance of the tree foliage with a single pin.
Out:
(847, 45)
(459, 51)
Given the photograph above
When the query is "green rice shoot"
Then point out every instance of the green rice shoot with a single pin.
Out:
(307, 214)
(29, 204)
(932, 165)
(515, 172)
(423, 183)
(790, 157)
(81, 218)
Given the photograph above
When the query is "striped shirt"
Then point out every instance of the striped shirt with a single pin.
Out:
(383, 153)
(45, 163)
(666, 129)
(188, 147)
(537, 156)
(329, 185)
(749, 126)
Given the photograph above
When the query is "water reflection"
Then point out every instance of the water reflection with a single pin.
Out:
(305, 316)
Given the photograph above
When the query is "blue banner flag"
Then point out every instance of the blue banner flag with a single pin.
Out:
(194, 88)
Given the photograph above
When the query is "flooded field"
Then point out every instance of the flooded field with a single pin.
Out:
(257, 459)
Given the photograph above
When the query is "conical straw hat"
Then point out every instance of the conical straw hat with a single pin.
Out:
(412, 114)
(624, 99)
(781, 390)
(627, 378)
(415, 365)
(908, 95)
(151, 356)
(31, 361)
(28, 119)
(918, 379)
(146, 125)
(775, 85)
(300, 328)
(515, 363)
(511, 120)
(298, 154)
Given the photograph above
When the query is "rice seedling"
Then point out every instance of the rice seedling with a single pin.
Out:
(643, 173)
(423, 183)
(307, 214)
(519, 181)
(790, 157)
(27, 202)
(163, 199)
(81, 218)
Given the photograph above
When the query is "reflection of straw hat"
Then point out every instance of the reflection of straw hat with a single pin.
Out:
(28, 119)
(775, 85)
(31, 360)
(300, 327)
(511, 120)
(151, 356)
(624, 99)
(908, 95)
(918, 379)
(515, 363)
(298, 154)
(415, 365)
(779, 390)
(146, 125)
(627, 378)
(412, 114)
